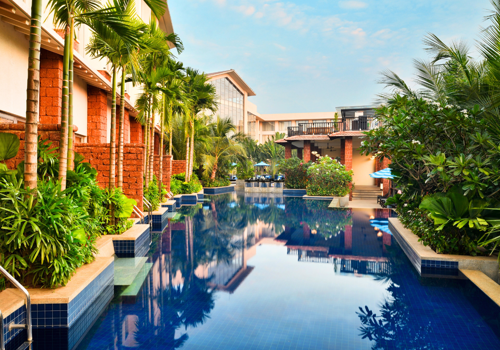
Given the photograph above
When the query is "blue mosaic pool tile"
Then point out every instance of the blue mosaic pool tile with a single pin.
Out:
(64, 315)
(201, 196)
(293, 193)
(64, 337)
(16, 337)
(425, 266)
(134, 248)
(171, 207)
(219, 190)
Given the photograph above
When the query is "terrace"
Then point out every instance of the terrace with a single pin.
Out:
(349, 124)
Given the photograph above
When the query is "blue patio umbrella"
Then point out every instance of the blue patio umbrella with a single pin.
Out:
(381, 224)
(383, 174)
(261, 164)
(234, 164)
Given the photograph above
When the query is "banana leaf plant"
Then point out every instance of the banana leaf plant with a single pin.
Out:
(9, 146)
(453, 207)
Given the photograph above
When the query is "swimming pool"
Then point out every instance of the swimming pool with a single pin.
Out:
(255, 272)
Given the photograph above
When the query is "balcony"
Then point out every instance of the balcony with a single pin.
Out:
(327, 128)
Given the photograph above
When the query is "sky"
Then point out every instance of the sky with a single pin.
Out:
(314, 55)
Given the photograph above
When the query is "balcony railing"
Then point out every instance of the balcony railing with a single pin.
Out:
(326, 128)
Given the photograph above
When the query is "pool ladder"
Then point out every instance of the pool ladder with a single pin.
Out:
(28, 326)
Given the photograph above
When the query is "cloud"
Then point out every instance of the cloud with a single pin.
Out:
(353, 5)
(220, 2)
(281, 47)
(246, 10)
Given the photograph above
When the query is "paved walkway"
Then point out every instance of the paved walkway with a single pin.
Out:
(364, 203)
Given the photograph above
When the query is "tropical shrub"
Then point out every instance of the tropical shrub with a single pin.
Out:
(295, 171)
(327, 177)
(152, 193)
(218, 182)
(446, 153)
(45, 236)
(245, 170)
(179, 186)
(42, 238)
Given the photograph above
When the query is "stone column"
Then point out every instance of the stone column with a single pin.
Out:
(346, 156)
(135, 131)
(288, 151)
(307, 151)
(97, 104)
(51, 81)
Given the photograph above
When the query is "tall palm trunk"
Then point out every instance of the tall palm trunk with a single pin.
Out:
(186, 174)
(191, 158)
(152, 143)
(146, 148)
(71, 153)
(112, 141)
(162, 122)
(33, 88)
(170, 142)
(120, 131)
(63, 142)
(214, 170)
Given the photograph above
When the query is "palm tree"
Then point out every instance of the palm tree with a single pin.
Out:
(273, 152)
(31, 128)
(119, 52)
(223, 147)
(173, 96)
(202, 97)
(156, 58)
(66, 15)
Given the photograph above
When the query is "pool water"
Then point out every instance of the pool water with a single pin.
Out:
(257, 272)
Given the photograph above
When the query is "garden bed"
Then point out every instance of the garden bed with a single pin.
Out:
(431, 264)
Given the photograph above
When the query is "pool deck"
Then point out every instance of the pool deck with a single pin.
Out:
(364, 204)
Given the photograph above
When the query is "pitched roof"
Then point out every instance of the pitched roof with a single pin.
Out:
(232, 73)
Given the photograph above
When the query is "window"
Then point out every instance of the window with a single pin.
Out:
(283, 126)
(230, 101)
(267, 126)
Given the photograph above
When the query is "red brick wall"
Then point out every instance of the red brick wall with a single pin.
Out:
(47, 132)
(178, 167)
(97, 117)
(51, 81)
(348, 237)
(135, 131)
(126, 126)
(97, 154)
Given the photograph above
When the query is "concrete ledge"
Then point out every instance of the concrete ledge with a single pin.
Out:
(133, 243)
(186, 199)
(483, 282)
(104, 245)
(170, 205)
(294, 192)
(10, 302)
(429, 263)
(218, 190)
(83, 277)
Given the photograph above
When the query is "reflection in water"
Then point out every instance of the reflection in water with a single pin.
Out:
(247, 271)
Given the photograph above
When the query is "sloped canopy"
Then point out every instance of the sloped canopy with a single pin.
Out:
(261, 164)
(382, 174)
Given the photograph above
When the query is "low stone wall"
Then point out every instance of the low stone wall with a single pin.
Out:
(49, 132)
(178, 167)
(97, 154)
(431, 264)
